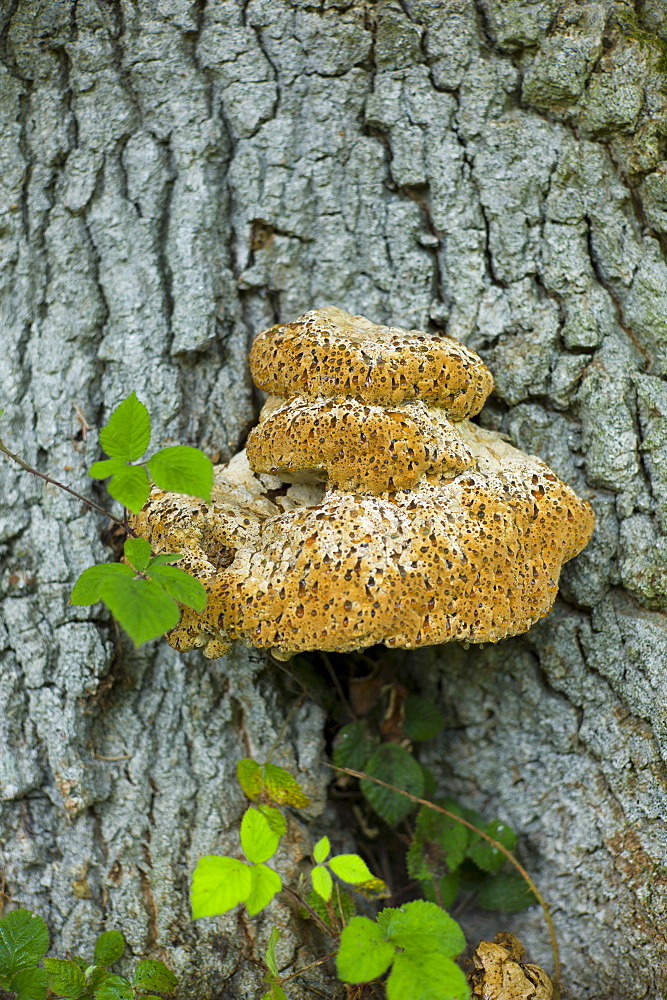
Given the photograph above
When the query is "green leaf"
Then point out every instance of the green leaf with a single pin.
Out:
(353, 746)
(363, 954)
(265, 884)
(350, 868)
(277, 821)
(137, 552)
(429, 977)
(141, 607)
(130, 486)
(321, 850)
(64, 977)
(343, 905)
(218, 885)
(106, 468)
(422, 928)
(128, 433)
(422, 719)
(322, 882)
(179, 585)
(282, 787)
(24, 941)
(395, 765)
(151, 975)
(448, 889)
(258, 840)
(276, 992)
(508, 892)
(487, 857)
(95, 976)
(166, 557)
(109, 947)
(270, 957)
(114, 988)
(439, 844)
(29, 984)
(249, 774)
(86, 590)
(182, 470)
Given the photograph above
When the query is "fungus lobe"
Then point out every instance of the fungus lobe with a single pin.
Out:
(367, 508)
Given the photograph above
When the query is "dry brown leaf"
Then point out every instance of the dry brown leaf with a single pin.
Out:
(499, 973)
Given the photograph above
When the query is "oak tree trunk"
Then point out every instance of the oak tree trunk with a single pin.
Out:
(177, 175)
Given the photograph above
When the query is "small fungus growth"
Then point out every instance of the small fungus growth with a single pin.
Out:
(367, 507)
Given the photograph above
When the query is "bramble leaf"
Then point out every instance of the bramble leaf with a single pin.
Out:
(141, 607)
(439, 844)
(322, 882)
(353, 746)
(507, 892)
(249, 774)
(422, 719)
(282, 787)
(350, 868)
(258, 840)
(422, 928)
(277, 821)
(128, 432)
(179, 585)
(24, 941)
(105, 468)
(166, 557)
(276, 992)
(372, 888)
(137, 552)
(95, 976)
(182, 470)
(29, 984)
(109, 947)
(86, 590)
(219, 884)
(152, 975)
(487, 857)
(396, 766)
(270, 957)
(363, 954)
(64, 977)
(114, 988)
(265, 884)
(343, 905)
(426, 977)
(321, 850)
(130, 486)
(448, 889)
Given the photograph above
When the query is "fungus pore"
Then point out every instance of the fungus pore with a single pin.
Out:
(367, 508)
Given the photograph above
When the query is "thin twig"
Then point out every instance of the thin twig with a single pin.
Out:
(319, 961)
(494, 843)
(54, 482)
(334, 676)
(313, 913)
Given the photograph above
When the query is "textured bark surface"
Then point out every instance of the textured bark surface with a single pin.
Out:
(175, 176)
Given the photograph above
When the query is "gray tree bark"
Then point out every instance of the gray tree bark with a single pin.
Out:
(175, 176)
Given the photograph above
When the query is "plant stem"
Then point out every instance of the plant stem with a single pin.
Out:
(316, 917)
(320, 961)
(494, 843)
(54, 482)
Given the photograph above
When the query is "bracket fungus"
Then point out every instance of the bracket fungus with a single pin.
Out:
(367, 507)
